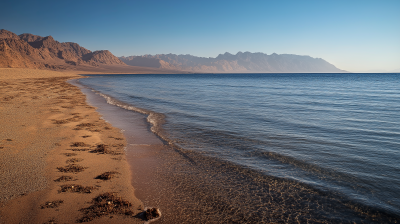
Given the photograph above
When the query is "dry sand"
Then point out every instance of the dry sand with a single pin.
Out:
(52, 147)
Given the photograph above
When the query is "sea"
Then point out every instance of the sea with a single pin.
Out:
(265, 148)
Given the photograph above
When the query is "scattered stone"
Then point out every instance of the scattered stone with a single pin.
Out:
(152, 213)
(149, 214)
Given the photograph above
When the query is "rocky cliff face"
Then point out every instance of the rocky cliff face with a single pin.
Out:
(32, 51)
(241, 62)
(15, 53)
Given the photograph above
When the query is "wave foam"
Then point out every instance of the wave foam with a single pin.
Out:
(154, 119)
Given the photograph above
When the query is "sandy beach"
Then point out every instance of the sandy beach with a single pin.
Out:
(59, 161)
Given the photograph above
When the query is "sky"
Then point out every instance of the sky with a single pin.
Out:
(353, 35)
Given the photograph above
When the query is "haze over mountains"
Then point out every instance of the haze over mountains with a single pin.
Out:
(32, 51)
(241, 62)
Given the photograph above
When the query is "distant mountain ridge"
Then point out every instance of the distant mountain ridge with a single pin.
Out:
(32, 51)
(241, 62)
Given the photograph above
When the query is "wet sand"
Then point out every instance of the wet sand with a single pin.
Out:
(53, 146)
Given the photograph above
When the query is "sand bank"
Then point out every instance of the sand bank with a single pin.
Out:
(53, 150)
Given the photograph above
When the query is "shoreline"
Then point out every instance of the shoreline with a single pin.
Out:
(54, 147)
(191, 187)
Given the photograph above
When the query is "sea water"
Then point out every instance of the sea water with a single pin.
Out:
(337, 134)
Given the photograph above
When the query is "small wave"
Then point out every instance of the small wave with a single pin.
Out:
(154, 119)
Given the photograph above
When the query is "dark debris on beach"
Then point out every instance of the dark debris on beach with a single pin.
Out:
(79, 149)
(74, 160)
(72, 168)
(75, 188)
(106, 204)
(64, 178)
(104, 149)
(70, 154)
(79, 144)
(52, 204)
(107, 175)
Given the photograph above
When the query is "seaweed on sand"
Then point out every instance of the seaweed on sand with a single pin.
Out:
(79, 149)
(72, 168)
(85, 125)
(106, 175)
(63, 179)
(74, 160)
(79, 144)
(70, 154)
(106, 204)
(103, 149)
(75, 188)
(51, 221)
(51, 204)
(60, 121)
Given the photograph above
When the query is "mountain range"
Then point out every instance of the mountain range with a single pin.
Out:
(32, 51)
(243, 62)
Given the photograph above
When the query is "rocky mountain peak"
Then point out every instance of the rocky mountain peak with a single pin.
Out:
(7, 34)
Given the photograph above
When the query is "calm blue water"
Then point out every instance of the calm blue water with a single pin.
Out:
(339, 133)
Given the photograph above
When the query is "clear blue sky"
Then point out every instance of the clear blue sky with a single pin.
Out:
(354, 35)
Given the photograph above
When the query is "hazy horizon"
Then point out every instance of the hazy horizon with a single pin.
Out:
(352, 35)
